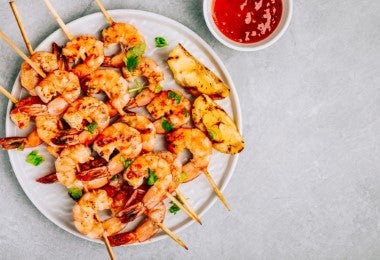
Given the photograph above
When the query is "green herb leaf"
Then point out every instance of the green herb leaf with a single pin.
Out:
(158, 89)
(35, 158)
(137, 50)
(132, 59)
(160, 41)
(131, 63)
(185, 112)
(125, 162)
(182, 177)
(166, 125)
(176, 97)
(91, 127)
(211, 134)
(139, 87)
(174, 208)
(21, 147)
(115, 177)
(75, 193)
(152, 177)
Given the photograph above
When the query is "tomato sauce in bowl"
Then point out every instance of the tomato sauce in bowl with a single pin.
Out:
(247, 25)
(247, 21)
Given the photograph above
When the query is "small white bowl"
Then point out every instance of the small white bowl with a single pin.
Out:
(287, 11)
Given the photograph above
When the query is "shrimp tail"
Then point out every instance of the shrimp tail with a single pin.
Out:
(47, 179)
(93, 173)
(122, 239)
(9, 143)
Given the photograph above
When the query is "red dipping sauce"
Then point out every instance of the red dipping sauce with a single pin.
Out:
(247, 21)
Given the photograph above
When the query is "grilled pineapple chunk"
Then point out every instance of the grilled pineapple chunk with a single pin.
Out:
(192, 75)
(221, 129)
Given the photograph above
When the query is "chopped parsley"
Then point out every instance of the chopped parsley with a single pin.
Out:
(115, 177)
(158, 89)
(160, 42)
(166, 125)
(35, 158)
(75, 193)
(182, 177)
(21, 147)
(176, 97)
(91, 127)
(211, 134)
(174, 208)
(139, 87)
(125, 162)
(152, 177)
(132, 59)
(186, 112)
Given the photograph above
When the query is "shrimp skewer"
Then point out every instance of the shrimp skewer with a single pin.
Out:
(84, 47)
(201, 147)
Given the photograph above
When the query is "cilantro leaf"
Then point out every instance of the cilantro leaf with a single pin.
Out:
(137, 50)
(125, 162)
(174, 208)
(91, 127)
(132, 59)
(182, 177)
(152, 177)
(131, 63)
(115, 177)
(75, 193)
(160, 42)
(139, 87)
(158, 89)
(186, 112)
(166, 125)
(35, 158)
(176, 97)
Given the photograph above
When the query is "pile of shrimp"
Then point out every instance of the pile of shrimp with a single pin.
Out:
(100, 121)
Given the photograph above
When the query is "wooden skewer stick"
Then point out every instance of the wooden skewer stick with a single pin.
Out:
(8, 95)
(104, 11)
(187, 205)
(21, 26)
(106, 241)
(59, 20)
(109, 248)
(189, 212)
(19, 52)
(172, 235)
(216, 189)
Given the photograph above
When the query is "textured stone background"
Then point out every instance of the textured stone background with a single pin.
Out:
(307, 185)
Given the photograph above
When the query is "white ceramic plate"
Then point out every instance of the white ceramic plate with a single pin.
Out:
(52, 199)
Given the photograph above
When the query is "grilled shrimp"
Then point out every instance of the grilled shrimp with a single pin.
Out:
(121, 137)
(112, 84)
(145, 230)
(89, 50)
(197, 143)
(157, 170)
(47, 61)
(87, 221)
(67, 168)
(146, 128)
(149, 70)
(59, 89)
(89, 116)
(124, 34)
(170, 109)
